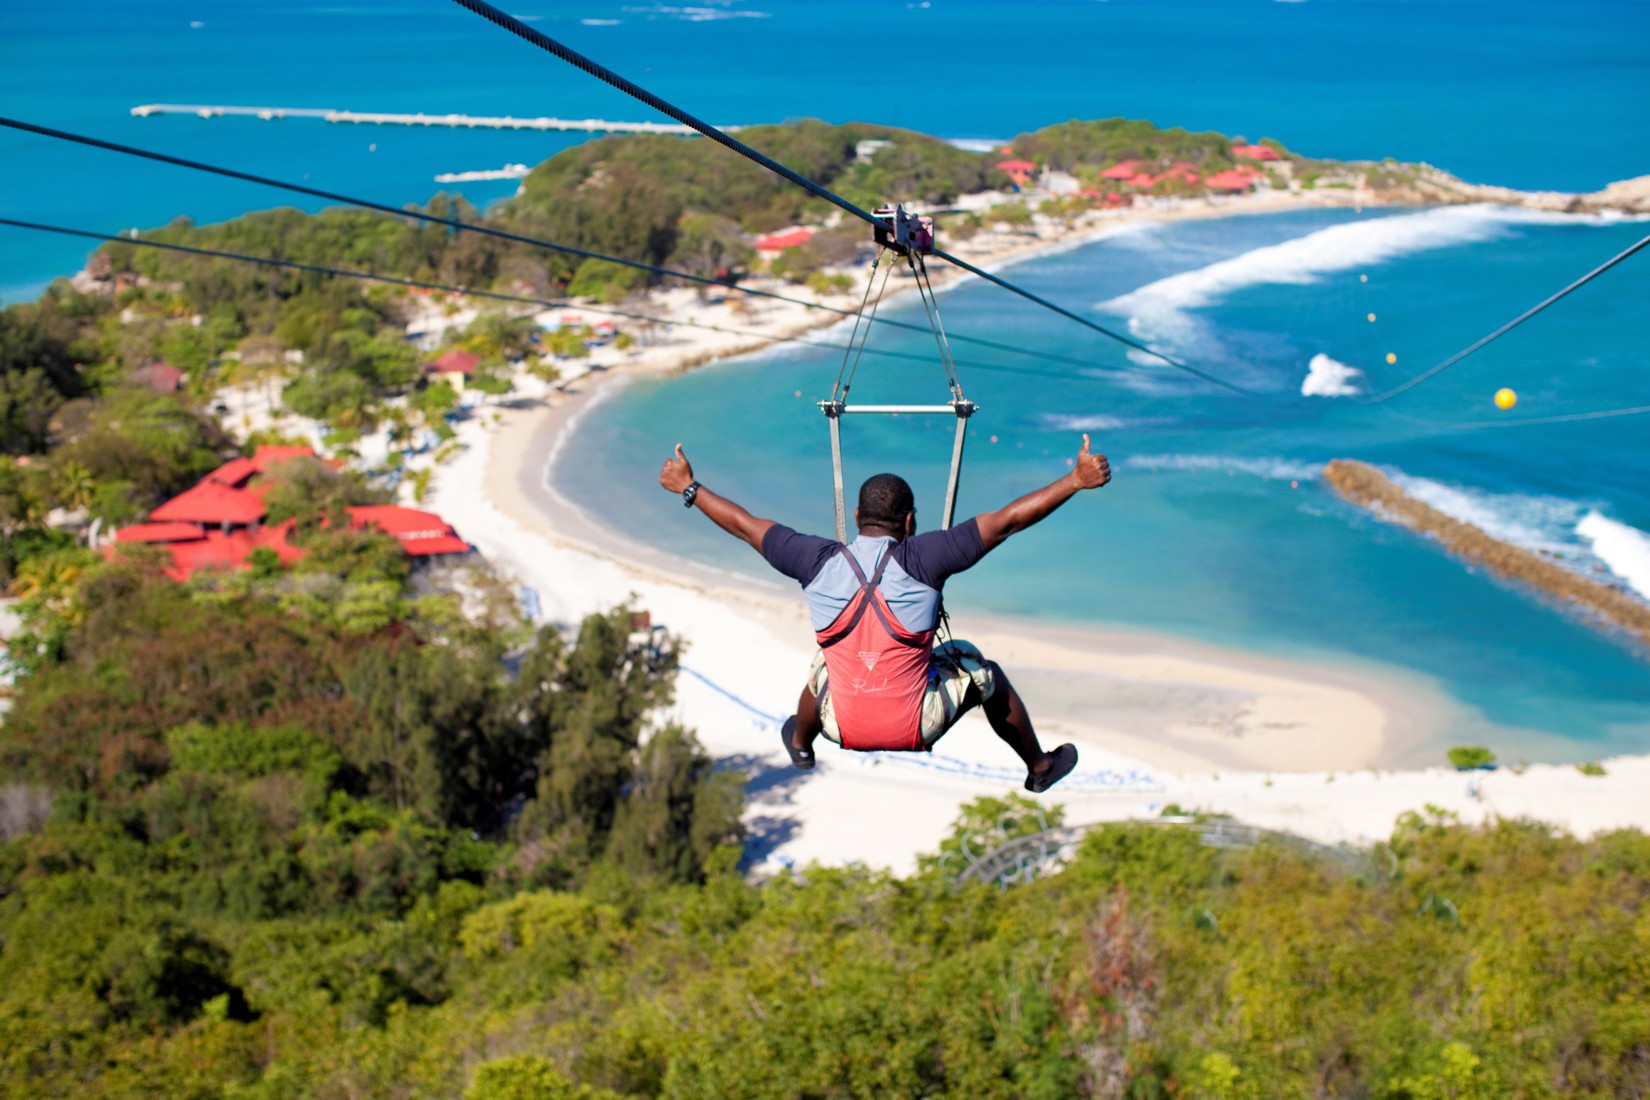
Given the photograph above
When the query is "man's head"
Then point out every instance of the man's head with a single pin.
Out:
(886, 506)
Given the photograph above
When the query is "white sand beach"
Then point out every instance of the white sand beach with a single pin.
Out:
(1158, 720)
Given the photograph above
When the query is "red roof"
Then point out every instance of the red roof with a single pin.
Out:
(159, 532)
(271, 454)
(1121, 171)
(1255, 152)
(420, 533)
(160, 377)
(1229, 180)
(456, 361)
(785, 238)
(1016, 166)
(1143, 180)
(238, 471)
(211, 503)
(227, 550)
(188, 525)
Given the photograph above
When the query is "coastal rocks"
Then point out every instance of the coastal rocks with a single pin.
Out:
(1424, 185)
(1367, 487)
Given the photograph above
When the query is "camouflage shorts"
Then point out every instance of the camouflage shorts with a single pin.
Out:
(957, 666)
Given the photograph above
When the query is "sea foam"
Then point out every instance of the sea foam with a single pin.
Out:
(1543, 524)
(1326, 377)
(1624, 550)
(1097, 422)
(1271, 469)
(1159, 311)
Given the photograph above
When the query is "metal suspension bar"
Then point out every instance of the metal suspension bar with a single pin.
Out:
(832, 414)
(845, 410)
(964, 410)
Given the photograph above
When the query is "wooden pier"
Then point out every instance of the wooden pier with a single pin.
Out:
(380, 118)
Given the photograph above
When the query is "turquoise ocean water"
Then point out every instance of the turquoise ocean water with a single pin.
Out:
(1201, 533)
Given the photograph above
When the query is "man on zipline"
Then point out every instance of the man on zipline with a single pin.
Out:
(878, 681)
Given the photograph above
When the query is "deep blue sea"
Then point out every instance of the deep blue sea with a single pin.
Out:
(1215, 527)
(1527, 93)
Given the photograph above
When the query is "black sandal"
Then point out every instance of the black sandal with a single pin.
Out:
(1065, 759)
(800, 758)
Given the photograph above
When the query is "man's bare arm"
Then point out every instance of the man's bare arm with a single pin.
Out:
(677, 475)
(1090, 471)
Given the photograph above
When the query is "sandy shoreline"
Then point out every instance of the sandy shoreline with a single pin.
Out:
(1281, 744)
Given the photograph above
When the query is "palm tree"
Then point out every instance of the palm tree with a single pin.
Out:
(75, 486)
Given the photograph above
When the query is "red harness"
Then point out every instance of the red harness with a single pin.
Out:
(877, 670)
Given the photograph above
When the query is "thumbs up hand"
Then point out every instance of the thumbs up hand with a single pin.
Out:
(677, 473)
(1091, 470)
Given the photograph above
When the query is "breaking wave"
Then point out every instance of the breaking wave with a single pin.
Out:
(1326, 377)
(1543, 524)
(1077, 422)
(1272, 469)
(1624, 550)
(1160, 311)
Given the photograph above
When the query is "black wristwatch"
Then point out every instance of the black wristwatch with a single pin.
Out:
(688, 494)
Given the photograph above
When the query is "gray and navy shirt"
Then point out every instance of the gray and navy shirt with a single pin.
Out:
(877, 664)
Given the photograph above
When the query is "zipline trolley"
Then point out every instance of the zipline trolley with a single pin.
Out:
(910, 237)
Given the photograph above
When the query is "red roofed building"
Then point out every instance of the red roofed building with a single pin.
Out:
(1123, 170)
(213, 504)
(774, 243)
(419, 533)
(160, 377)
(1255, 152)
(1019, 171)
(217, 524)
(158, 532)
(1184, 170)
(456, 367)
(194, 548)
(1230, 181)
(1143, 181)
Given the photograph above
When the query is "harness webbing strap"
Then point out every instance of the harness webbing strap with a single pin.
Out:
(866, 598)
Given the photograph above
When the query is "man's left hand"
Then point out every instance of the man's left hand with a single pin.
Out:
(1091, 470)
(676, 474)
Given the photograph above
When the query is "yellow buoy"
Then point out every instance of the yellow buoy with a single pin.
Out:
(1391, 357)
(1372, 318)
(1505, 398)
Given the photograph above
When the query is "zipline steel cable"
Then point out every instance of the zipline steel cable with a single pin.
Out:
(586, 65)
(425, 284)
(491, 231)
(1483, 341)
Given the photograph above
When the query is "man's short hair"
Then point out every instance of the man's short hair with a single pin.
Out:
(884, 501)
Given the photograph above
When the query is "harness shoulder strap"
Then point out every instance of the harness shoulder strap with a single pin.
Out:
(866, 598)
(861, 599)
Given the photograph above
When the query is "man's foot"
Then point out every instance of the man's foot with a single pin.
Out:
(800, 758)
(1058, 765)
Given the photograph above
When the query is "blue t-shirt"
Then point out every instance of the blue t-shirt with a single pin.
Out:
(911, 584)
